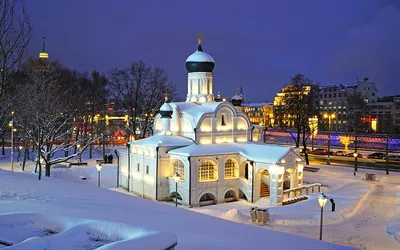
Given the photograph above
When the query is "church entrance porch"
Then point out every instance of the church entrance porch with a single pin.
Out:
(264, 184)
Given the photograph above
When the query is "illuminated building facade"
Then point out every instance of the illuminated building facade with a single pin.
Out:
(334, 99)
(219, 155)
(282, 118)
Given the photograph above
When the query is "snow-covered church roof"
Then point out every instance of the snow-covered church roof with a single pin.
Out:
(195, 110)
(258, 152)
(163, 140)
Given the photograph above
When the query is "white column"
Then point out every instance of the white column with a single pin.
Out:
(166, 126)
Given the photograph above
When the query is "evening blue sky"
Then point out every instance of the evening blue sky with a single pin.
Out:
(257, 44)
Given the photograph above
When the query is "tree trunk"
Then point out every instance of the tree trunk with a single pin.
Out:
(40, 170)
(26, 151)
(90, 150)
(3, 151)
(66, 151)
(48, 169)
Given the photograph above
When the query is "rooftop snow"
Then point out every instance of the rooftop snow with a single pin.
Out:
(200, 56)
(196, 110)
(258, 152)
(163, 140)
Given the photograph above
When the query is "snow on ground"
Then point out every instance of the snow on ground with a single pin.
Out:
(69, 209)
(35, 231)
(367, 214)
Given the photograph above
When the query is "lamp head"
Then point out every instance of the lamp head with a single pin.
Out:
(322, 199)
(355, 155)
(99, 167)
(177, 177)
(325, 116)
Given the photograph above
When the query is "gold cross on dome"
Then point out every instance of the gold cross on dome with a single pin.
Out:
(199, 37)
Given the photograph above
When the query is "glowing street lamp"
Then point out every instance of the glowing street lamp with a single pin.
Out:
(177, 178)
(80, 153)
(98, 167)
(329, 116)
(355, 162)
(322, 199)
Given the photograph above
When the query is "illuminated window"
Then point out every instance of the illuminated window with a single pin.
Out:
(179, 168)
(230, 169)
(207, 171)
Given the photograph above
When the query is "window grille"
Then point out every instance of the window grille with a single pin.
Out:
(230, 169)
(179, 168)
(207, 171)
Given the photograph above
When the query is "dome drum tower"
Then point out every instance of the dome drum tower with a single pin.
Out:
(200, 66)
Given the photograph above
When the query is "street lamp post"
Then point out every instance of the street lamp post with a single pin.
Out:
(322, 199)
(177, 178)
(329, 116)
(355, 162)
(12, 141)
(80, 153)
(98, 167)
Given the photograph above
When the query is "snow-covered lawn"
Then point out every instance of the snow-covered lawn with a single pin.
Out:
(367, 214)
(64, 211)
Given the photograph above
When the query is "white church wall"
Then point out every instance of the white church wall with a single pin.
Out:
(123, 170)
(143, 170)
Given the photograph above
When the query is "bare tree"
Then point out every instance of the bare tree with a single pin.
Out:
(355, 111)
(15, 34)
(299, 106)
(46, 116)
(139, 90)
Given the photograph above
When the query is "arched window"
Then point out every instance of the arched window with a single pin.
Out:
(207, 171)
(230, 169)
(147, 169)
(179, 168)
(138, 167)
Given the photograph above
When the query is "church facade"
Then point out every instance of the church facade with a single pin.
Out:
(219, 155)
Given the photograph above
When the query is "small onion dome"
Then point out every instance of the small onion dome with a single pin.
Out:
(166, 109)
(199, 61)
(236, 100)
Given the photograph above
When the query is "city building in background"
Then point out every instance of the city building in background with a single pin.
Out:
(259, 113)
(282, 118)
(335, 99)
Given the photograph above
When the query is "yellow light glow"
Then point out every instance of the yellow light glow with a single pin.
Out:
(205, 128)
(373, 125)
(300, 167)
(241, 139)
(283, 161)
(325, 116)
(205, 141)
(43, 55)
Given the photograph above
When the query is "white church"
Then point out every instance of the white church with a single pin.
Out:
(218, 154)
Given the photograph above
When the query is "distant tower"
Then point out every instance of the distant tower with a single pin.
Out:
(43, 54)
(200, 66)
(166, 112)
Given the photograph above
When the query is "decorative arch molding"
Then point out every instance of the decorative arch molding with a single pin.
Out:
(222, 106)
(190, 119)
(233, 157)
(207, 191)
(157, 126)
(227, 189)
(242, 115)
(209, 158)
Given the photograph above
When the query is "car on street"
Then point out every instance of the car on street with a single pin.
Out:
(352, 155)
(377, 155)
(340, 153)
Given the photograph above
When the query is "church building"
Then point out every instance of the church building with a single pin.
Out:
(218, 154)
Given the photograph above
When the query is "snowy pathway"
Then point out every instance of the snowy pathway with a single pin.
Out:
(366, 227)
